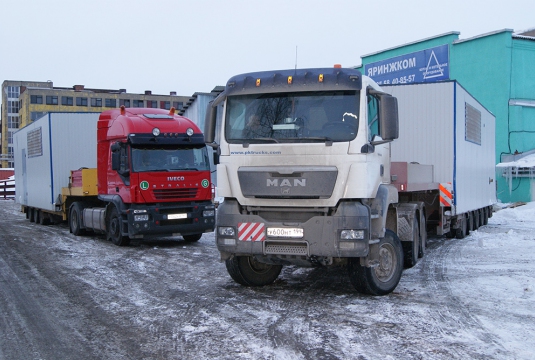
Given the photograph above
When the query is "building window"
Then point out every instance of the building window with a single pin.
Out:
(125, 102)
(179, 105)
(36, 99)
(34, 115)
(152, 104)
(13, 92)
(81, 101)
(165, 105)
(111, 103)
(67, 101)
(12, 122)
(12, 107)
(138, 103)
(96, 102)
(51, 100)
(472, 124)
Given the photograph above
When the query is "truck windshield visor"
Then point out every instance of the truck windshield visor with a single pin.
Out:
(150, 159)
(292, 117)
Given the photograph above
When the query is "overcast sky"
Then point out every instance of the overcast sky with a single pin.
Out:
(192, 46)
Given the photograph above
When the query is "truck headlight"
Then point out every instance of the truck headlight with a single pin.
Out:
(206, 213)
(352, 235)
(142, 217)
(226, 231)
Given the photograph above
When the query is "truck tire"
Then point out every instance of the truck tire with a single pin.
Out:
(31, 211)
(114, 232)
(192, 238)
(381, 279)
(43, 218)
(422, 241)
(463, 230)
(245, 270)
(75, 219)
(476, 216)
(485, 216)
(411, 248)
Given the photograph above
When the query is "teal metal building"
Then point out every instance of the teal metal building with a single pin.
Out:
(498, 69)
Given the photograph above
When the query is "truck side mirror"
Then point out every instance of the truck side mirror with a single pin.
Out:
(388, 117)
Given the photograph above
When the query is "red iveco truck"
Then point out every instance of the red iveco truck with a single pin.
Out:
(127, 173)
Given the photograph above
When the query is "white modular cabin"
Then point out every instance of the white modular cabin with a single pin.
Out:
(441, 124)
(46, 151)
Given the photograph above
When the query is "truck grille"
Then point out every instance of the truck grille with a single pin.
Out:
(285, 248)
(164, 194)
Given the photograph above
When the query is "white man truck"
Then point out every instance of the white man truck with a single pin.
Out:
(311, 175)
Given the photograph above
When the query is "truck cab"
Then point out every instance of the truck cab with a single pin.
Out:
(304, 169)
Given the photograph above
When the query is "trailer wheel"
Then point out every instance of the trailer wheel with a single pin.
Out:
(114, 229)
(31, 211)
(476, 217)
(192, 238)
(36, 216)
(423, 237)
(411, 248)
(383, 278)
(44, 218)
(245, 270)
(463, 230)
(485, 216)
(75, 219)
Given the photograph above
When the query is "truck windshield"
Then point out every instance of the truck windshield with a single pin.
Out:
(164, 159)
(292, 117)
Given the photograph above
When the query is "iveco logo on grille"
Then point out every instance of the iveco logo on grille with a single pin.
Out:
(286, 182)
(175, 178)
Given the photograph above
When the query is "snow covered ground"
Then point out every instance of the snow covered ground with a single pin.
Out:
(471, 298)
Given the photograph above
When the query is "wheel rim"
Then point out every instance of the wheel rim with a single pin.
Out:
(74, 220)
(387, 260)
(258, 267)
(114, 227)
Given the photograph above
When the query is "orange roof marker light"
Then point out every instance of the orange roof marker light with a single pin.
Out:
(290, 79)
(320, 78)
(337, 66)
(257, 82)
(123, 110)
(172, 111)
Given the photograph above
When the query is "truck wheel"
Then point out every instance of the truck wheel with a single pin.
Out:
(245, 270)
(485, 216)
(192, 238)
(114, 229)
(463, 230)
(476, 217)
(383, 278)
(411, 248)
(43, 218)
(423, 237)
(75, 219)
(32, 214)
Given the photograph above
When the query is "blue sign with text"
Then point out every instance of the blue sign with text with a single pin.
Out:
(428, 65)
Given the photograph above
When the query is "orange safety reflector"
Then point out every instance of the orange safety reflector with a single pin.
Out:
(320, 77)
(446, 196)
(290, 78)
(257, 82)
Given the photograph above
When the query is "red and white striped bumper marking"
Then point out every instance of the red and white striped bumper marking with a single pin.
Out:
(446, 196)
(251, 231)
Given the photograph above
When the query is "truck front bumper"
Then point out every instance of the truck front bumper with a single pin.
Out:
(343, 234)
(162, 219)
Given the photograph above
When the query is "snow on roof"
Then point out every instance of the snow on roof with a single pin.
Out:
(524, 162)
